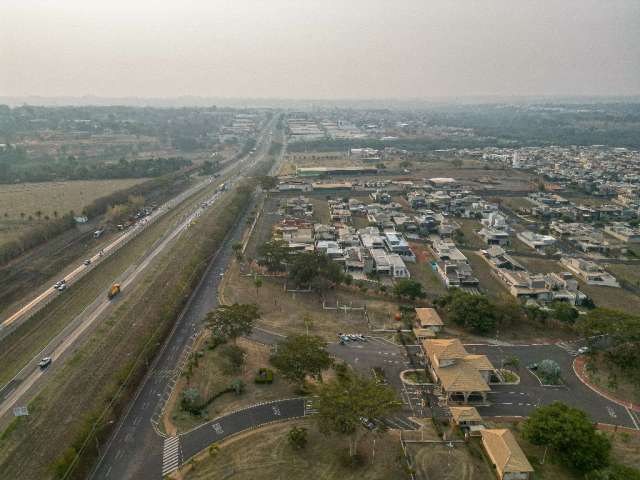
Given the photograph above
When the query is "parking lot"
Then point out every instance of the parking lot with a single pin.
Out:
(520, 400)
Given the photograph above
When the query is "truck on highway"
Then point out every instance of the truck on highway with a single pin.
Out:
(114, 290)
(98, 233)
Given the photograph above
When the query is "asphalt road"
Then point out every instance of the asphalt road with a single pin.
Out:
(135, 450)
(520, 400)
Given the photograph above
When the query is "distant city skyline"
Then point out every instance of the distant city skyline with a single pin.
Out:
(319, 50)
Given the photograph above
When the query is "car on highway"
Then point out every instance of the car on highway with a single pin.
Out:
(62, 287)
(87, 262)
(45, 362)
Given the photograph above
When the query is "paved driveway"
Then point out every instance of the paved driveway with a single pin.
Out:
(520, 400)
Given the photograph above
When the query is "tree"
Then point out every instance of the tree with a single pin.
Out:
(297, 437)
(456, 162)
(301, 355)
(512, 362)
(549, 372)
(614, 472)
(267, 182)
(315, 270)
(237, 249)
(475, 312)
(571, 435)
(409, 289)
(308, 322)
(564, 312)
(257, 282)
(231, 321)
(344, 401)
(275, 255)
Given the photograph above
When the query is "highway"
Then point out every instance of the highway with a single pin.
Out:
(26, 383)
(135, 450)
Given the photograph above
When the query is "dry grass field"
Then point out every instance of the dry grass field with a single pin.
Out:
(26, 204)
(266, 454)
(210, 377)
(437, 460)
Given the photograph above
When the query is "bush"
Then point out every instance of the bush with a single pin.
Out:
(297, 437)
(264, 375)
(234, 358)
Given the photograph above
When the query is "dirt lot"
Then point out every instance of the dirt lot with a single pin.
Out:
(439, 461)
(266, 454)
(50, 199)
(210, 377)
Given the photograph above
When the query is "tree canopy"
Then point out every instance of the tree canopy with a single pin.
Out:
(474, 312)
(301, 355)
(410, 289)
(274, 255)
(571, 434)
(344, 401)
(315, 270)
(228, 322)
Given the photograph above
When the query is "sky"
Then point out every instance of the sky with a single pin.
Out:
(324, 49)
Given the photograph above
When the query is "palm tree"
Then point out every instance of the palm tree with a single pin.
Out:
(38, 214)
(55, 214)
(22, 215)
(258, 283)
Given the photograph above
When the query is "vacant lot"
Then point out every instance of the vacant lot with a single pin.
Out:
(456, 462)
(266, 454)
(628, 273)
(489, 283)
(610, 378)
(284, 311)
(212, 375)
(540, 264)
(616, 298)
(27, 204)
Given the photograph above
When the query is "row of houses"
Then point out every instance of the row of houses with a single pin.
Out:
(523, 285)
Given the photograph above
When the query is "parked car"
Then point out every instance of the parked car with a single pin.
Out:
(583, 350)
(45, 362)
(368, 424)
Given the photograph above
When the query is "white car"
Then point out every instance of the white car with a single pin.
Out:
(45, 362)
(583, 350)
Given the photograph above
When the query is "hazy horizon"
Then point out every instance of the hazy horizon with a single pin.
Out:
(312, 50)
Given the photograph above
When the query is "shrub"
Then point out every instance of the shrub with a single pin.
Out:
(264, 375)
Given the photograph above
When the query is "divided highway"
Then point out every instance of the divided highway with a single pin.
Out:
(135, 450)
(27, 382)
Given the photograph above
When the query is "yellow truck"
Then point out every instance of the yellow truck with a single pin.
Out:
(114, 290)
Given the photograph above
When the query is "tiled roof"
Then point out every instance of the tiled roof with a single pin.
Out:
(504, 451)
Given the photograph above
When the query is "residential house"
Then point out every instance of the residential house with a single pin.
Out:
(589, 272)
(535, 240)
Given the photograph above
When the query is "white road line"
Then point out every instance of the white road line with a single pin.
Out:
(633, 419)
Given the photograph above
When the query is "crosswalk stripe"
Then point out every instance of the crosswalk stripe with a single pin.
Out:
(170, 455)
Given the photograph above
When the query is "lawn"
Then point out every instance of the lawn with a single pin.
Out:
(540, 264)
(266, 454)
(212, 375)
(38, 200)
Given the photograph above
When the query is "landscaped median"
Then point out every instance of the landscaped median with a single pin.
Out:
(75, 412)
